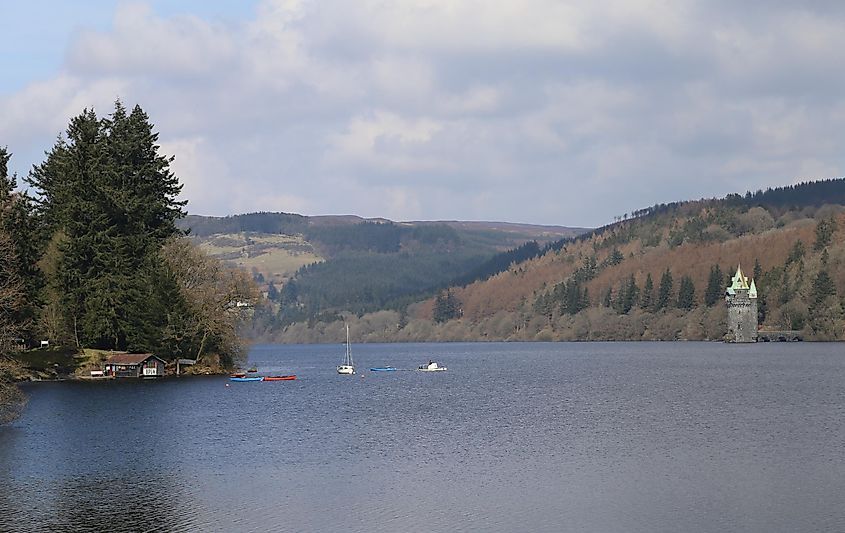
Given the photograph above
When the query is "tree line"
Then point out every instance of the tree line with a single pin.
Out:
(91, 257)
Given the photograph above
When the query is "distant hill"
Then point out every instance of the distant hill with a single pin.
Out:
(292, 224)
(312, 267)
(606, 283)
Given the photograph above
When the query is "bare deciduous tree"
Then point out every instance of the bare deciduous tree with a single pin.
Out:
(12, 399)
(219, 298)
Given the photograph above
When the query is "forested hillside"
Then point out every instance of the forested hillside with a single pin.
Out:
(660, 274)
(313, 268)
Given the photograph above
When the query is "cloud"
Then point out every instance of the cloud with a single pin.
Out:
(536, 111)
(139, 43)
(385, 141)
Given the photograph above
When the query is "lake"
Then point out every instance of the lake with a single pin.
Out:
(592, 437)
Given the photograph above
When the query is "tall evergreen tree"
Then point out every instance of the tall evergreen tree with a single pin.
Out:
(7, 183)
(18, 222)
(825, 315)
(628, 295)
(573, 297)
(608, 298)
(686, 293)
(796, 253)
(824, 233)
(786, 289)
(543, 305)
(585, 299)
(714, 290)
(823, 285)
(112, 197)
(664, 291)
(647, 295)
(446, 306)
(757, 273)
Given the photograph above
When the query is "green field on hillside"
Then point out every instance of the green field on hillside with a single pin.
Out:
(276, 257)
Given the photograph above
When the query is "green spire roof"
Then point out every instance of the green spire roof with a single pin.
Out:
(740, 282)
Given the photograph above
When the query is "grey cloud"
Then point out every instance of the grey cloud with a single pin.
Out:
(411, 111)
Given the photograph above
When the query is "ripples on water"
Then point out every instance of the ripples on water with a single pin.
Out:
(513, 437)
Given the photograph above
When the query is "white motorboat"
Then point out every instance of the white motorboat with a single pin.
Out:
(432, 366)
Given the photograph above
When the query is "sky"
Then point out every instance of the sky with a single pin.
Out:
(534, 111)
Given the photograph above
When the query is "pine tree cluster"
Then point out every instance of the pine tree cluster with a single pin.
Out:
(103, 263)
(446, 307)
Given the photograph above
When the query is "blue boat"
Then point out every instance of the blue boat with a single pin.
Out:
(383, 369)
(259, 378)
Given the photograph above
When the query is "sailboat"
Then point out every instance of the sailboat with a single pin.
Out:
(346, 366)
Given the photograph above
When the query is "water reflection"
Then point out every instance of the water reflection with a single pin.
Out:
(141, 502)
(96, 458)
(11, 507)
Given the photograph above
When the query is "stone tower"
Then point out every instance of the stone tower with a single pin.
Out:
(742, 309)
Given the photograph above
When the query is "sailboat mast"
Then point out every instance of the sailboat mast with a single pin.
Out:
(348, 351)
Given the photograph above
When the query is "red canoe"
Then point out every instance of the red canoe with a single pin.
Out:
(280, 378)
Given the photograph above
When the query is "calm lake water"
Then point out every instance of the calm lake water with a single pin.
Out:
(604, 437)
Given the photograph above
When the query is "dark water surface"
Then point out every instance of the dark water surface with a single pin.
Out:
(604, 437)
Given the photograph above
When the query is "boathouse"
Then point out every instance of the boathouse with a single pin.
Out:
(134, 365)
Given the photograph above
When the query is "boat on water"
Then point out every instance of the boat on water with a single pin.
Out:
(347, 366)
(252, 370)
(256, 378)
(432, 366)
(383, 369)
(280, 378)
(238, 375)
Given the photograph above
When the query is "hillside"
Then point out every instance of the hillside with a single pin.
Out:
(614, 283)
(316, 267)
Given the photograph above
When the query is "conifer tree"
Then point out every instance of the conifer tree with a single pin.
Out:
(446, 306)
(762, 292)
(439, 313)
(628, 295)
(796, 253)
(7, 183)
(823, 285)
(112, 197)
(825, 315)
(647, 295)
(18, 222)
(757, 273)
(608, 298)
(714, 290)
(786, 289)
(585, 299)
(824, 233)
(573, 297)
(664, 291)
(686, 293)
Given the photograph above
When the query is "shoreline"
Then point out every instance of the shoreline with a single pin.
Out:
(35, 375)
(84, 379)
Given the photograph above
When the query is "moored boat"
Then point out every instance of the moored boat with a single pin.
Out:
(432, 366)
(347, 366)
(257, 378)
(280, 378)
